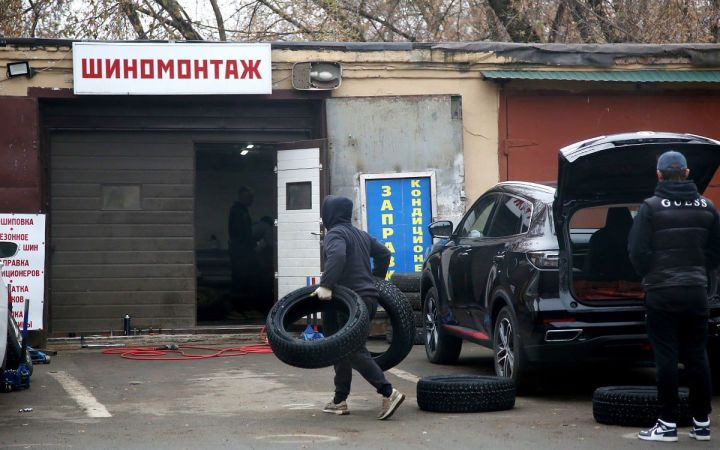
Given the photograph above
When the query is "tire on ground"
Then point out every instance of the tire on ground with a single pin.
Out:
(635, 406)
(414, 299)
(465, 393)
(292, 350)
(406, 281)
(402, 321)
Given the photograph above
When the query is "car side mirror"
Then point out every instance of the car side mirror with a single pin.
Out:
(442, 229)
(8, 249)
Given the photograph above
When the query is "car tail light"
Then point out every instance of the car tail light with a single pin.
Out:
(544, 260)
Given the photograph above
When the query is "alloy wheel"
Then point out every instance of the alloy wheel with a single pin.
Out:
(431, 325)
(505, 348)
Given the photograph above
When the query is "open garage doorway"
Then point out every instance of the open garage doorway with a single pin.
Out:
(235, 239)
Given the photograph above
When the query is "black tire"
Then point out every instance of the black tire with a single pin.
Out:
(420, 336)
(406, 281)
(294, 351)
(400, 315)
(440, 347)
(465, 393)
(415, 300)
(14, 348)
(419, 319)
(508, 356)
(634, 406)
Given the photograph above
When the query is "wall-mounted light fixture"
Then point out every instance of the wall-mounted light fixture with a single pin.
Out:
(317, 76)
(19, 69)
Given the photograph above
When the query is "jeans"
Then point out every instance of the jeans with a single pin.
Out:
(361, 360)
(680, 336)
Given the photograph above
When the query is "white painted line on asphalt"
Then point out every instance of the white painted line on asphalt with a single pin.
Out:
(404, 375)
(81, 395)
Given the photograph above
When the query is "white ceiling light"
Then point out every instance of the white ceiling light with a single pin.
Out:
(250, 146)
(244, 152)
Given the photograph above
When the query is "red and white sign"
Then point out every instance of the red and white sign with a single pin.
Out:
(24, 273)
(124, 68)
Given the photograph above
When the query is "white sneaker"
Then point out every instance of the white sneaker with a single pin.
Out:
(700, 430)
(662, 431)
(390, 404)
(341, 409)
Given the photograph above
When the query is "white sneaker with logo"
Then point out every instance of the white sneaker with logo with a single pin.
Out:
(662, 431)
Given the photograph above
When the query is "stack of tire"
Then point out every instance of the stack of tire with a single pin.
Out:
(409, 284)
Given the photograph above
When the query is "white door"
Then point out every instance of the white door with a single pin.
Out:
(298, 224)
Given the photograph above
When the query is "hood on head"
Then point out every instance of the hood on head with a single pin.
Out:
(335, 210)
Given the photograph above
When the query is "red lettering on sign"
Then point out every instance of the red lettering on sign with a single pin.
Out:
(91, 68)
(30, 247)
(112, 68)
(201, 68)
(147, 68)
(231, 68)
(129, 67)
(183, 66)
(216, 67)
(166, 67)
(250, 69)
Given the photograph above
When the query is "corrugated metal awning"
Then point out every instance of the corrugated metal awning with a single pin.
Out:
(630, 76)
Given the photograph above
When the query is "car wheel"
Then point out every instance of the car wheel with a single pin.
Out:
(634, 406)
(401, 334)
(507, 346)
(465, 393)
(293, 350)
(440, 347)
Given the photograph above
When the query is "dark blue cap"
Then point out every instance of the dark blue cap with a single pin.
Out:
(672, 160)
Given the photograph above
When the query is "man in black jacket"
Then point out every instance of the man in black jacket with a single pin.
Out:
(347, 253)
(673, 244)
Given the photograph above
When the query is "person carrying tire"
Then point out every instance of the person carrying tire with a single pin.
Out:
(673, 244)
(347, 252)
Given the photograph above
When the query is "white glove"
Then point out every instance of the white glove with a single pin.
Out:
(323, 293)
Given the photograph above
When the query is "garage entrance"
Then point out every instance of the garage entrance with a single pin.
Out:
(535, 125)
(140, 192)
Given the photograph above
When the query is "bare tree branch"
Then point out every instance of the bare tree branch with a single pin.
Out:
(128, 8)
(219, 20)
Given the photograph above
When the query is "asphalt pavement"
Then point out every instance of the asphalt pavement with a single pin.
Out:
(88, 400)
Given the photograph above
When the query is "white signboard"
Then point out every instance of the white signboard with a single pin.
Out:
(124, 68)
(24, 273)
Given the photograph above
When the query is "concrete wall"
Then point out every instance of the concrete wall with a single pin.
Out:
(381, 135)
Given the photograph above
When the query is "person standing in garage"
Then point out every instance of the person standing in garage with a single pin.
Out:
(347, 253)
(673, 244)
(242, 245)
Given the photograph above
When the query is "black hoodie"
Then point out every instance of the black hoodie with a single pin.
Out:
(348, 250)
(675, 238)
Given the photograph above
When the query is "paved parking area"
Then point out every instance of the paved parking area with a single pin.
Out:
(88, 400)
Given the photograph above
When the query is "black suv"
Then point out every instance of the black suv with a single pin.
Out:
(541, 274)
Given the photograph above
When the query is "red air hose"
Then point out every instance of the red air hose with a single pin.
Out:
(177, 353)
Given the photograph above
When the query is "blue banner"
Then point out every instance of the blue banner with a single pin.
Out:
(399, 211)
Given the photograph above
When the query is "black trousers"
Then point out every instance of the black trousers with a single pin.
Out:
(679, 336)
(361, 360)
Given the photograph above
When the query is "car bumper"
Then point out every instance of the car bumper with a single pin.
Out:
(598, 343)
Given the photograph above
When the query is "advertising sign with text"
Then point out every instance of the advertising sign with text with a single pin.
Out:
(399, 211)
(124, 68)
(24, 273)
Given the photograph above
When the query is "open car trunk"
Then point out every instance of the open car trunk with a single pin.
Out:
(601, 183)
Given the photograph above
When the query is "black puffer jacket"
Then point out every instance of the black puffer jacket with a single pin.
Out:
(675, 238)
(348, 250)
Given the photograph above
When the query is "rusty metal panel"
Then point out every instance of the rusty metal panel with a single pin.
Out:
(537, 125)
(398, 134)
(19, 170)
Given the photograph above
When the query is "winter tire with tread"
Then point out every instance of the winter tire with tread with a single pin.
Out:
(465, 393)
